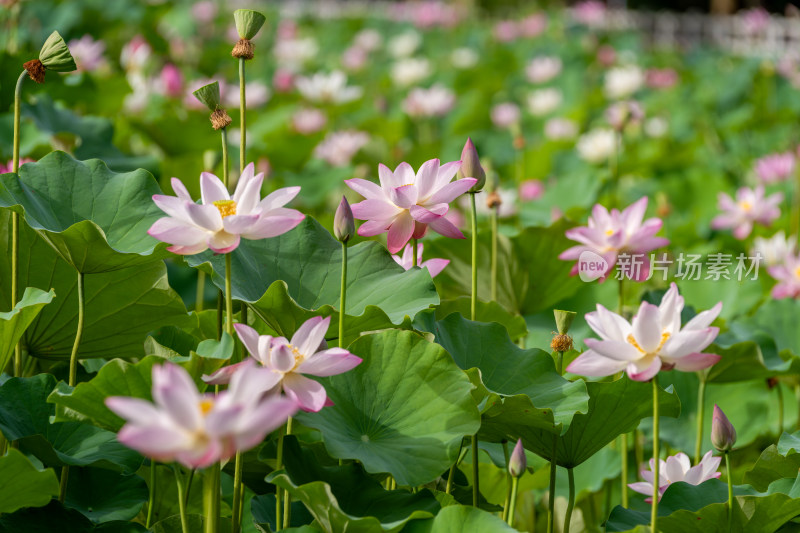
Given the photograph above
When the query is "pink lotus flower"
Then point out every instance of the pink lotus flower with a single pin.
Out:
(221, 220)
(610, 234)
(171, 81)
(283, 362)
(505, 115)
(589, 12)
(654, 341)
(135, 54)
(308, 121)
(434, 266)
(676, 468)
(532, 25)
(776, 250)
(506, 31)
(543, 69)
(88, 53)
(405, 204)
(751, 206)
(661, 78)
(530, 190)
(436, 101)
(198, 430)
(283, 80)
(775, 167)
(339, 147)
(5, 169)
(787, 274)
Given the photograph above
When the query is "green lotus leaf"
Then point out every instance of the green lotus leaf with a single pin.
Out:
(56, 517)
(103, 495)
(24, 485)
(403, 410)
(515, 387)
(344, 498)
(309, 259)
(95, 219)
(25, 417)
(121, 306)
(14, 323)
(460, 519)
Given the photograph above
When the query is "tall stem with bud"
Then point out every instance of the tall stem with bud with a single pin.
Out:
(561, 343)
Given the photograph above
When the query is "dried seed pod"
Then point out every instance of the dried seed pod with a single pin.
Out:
(220, 119)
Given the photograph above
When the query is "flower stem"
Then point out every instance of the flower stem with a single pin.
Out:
(654, 506)
(473, 312)
(494, 255)
(73, 358)
(211, 498)
(414, 257)
(237, 494)
(278, 490)
(730, 490)
(182, 498)
(201, 289)
(508, 482)
(287, 498)
(343, 295)
(701, 400)
(224, 134)
(242, 111)
(551, 517)
(474, 301)
(513, 501)
(450, 475)
(780, 408)
(571, 504)
(624, 436)
(228, 296)
(152, 496)
(15, 217)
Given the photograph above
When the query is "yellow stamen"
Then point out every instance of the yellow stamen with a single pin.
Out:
(298, 357)
(206, 404)
(632, 341)
(226, 207)
(747, 206)
(797, 272)
(609, 232)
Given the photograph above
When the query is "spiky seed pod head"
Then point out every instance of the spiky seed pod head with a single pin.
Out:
(561, 343)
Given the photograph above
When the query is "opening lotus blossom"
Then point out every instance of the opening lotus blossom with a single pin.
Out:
(677, 468)
(284, 362)
(653, 341)
(609, 234)
(221, 220)
(196, 429)
(405, 204)
(434, 266)
(750, 207)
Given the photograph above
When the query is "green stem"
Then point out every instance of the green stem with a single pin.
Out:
(182, 497)
(475, 489)
(62, 489)
(287, 498)
(508, 481)
(237, 494)
(560, 363)
(152, 496)
(15, 217)
(624, 474)
(278, 490)
(780, 409)
(73, 358)
(571, 504)
(551, 516)
(414, 255)
(189, 487)
(224, 134)
(654, 505)
(228, 296)
(242, 123)
(474, 301)
(795, 219)
(201, 290)
(614, 161)
(797, 397)
(343, 295)
(513, 502)
(211, 498)
(730, 490)
(451, 474)
(494, 256)
(473, 312)
(701, 400)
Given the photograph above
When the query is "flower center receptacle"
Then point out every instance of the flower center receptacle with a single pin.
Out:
(746, 206)
(206, 405)
(226, 207)
(298, 357)
(797, 272)
(632, 341)
(609, 232)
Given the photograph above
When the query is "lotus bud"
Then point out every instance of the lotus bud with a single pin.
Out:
(517, 463)
(248, 22)
(471, 166)
(723, 434)
(344, 226)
